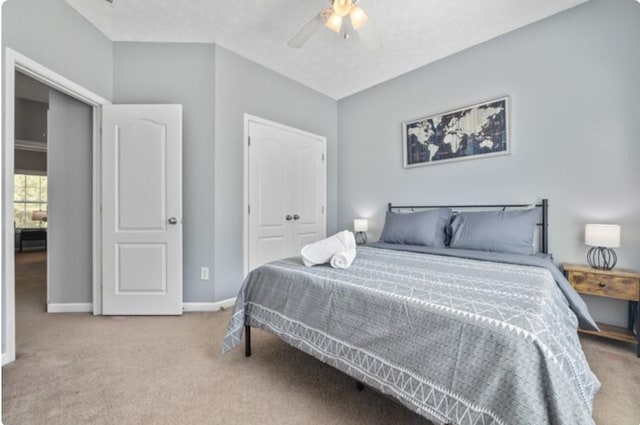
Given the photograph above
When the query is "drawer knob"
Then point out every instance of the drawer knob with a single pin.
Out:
(602, 284)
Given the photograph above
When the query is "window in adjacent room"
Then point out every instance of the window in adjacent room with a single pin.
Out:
(30, 194)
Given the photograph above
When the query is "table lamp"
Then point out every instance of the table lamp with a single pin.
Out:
(602, 238)
(40, 216)
(361, 226)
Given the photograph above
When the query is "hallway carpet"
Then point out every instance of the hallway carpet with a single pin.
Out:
(80, 369)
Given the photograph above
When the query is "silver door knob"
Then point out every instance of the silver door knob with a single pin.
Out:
(173, 220)
(296, 217)
(288, 217)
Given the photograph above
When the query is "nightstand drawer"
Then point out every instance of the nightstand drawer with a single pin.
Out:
(622, 287)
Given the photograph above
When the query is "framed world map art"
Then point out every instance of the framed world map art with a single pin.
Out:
(476, 131)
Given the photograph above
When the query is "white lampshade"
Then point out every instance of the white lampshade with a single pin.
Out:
(358, 17)
(360, 225)
(342, 7)
(602, 235)
(334, 23)
(39, 216)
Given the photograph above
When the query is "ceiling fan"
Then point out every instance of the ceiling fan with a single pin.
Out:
(340, 17)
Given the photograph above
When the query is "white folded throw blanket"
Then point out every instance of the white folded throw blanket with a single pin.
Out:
(343, 260)
(320, 252)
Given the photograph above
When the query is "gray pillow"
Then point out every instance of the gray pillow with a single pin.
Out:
(419, 228)
(498, 231)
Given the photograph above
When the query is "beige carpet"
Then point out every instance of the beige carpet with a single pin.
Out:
(80, 369)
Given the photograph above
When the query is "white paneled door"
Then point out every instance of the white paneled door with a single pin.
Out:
(142, 209)
(287, 183)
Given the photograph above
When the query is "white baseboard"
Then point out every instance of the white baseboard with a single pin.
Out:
(70, 308)
(228, 303)
(5, 359)
(187, 307)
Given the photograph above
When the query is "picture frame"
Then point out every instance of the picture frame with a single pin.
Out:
(476, 131)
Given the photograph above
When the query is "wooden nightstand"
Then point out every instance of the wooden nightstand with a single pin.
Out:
(622, 284)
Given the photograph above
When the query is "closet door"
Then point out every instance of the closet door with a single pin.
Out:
(286, 191)
(307, 190)
(270, 196)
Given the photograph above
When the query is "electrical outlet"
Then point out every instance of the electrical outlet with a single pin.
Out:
(204, 273)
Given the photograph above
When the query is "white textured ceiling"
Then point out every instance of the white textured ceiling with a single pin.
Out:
(413, 32)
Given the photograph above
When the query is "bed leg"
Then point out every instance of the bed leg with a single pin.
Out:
(359, 386)
(247, 341)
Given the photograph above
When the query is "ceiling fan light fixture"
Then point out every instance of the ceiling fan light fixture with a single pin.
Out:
(342, 7)
(358, 17)
(334, 23)
(333, 17)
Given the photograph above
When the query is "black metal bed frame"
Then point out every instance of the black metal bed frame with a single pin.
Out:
(543, 205)
(544, 242)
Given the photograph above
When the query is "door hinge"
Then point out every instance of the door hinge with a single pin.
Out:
(323, 157)
(249, 140)
(323, 209)
(248, 209)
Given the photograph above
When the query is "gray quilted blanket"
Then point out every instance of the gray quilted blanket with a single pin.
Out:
(457, 340)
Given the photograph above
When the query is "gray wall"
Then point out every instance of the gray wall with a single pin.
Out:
(52, 33)
(181, 73)
(243, 87)
(30, 125)
(30, 120)
(69, 200)
(574, 88)
(30, 161)
(216, 86)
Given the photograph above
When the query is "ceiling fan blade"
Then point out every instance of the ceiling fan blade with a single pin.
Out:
(307, 31)
(369, 37)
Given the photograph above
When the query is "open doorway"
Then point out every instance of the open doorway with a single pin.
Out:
(30, 200)
(67, 93)
(52, 204)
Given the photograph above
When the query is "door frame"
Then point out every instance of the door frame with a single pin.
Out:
(248, 118)
(15, 61)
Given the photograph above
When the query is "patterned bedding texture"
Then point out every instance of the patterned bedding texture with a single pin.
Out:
(456, 340)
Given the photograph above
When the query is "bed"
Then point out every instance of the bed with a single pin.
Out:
(458, 336)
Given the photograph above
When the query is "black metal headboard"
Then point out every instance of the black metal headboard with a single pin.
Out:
(543, 205)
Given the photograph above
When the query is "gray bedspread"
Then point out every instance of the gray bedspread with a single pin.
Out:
(458, 340)
(577, 304)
